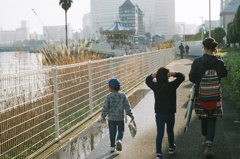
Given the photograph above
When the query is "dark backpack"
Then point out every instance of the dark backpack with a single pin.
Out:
(210, 89)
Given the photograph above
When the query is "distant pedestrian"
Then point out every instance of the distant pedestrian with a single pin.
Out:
(181, 48)
(199, 66)
(165, 105)
(114, 105)
(187, 49)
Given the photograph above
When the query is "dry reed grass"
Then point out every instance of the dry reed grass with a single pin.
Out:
(62, 55)
(164, 45)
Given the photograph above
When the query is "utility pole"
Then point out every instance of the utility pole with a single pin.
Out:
(210, 18)
(202, 28)
(183, 32)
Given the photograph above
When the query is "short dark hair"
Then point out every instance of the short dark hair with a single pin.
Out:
(162, 75)
(116, 88)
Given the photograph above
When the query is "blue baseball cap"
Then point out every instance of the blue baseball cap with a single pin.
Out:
(114, 82)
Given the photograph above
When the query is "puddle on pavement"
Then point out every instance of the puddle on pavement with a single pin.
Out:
(83, 144)
(87, 140)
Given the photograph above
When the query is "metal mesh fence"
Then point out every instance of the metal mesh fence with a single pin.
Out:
(37, 108)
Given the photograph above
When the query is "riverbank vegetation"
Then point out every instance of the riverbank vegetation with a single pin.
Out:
(76, 52)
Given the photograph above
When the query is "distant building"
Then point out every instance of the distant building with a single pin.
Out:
(141, 27)
(35, 36)
(214, 24)
(57, 33)
(158, 19)
(163, 22)
(103, 13)
(147, 7)
(87, 23)
(224, 4)
(131, 17)
(11, 36)
(228, 12)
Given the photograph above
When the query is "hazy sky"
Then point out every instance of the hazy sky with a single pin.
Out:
(50, 13)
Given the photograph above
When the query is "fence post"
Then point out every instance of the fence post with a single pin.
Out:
(90, 85)
(111, 68)
(125, 81)
(135, 70)
(143, 71)
(125, 73)
(55, 93)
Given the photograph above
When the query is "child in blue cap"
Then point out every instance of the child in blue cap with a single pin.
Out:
(114, 105)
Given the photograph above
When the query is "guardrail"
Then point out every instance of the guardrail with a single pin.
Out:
(40, 107)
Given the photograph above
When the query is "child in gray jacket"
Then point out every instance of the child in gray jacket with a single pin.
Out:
(114, 105)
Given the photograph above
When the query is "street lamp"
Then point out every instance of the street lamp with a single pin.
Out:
(202, 28)
(183, 32)
(209, 18)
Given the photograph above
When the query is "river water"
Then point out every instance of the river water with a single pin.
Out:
(12, 63)
(15, 62)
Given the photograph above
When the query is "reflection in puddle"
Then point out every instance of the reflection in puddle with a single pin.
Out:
(81, 146)
(87, 140)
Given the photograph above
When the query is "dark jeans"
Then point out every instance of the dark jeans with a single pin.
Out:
(115, 126)
(161, 120)
(208, 128)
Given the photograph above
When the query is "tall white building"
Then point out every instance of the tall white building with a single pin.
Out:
(104, 13)
(87, 23)
(131, 17)
(159, 15)
(148, 11)
(57, 33)
(164, 18)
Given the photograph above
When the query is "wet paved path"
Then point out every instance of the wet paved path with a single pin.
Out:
(93, 142)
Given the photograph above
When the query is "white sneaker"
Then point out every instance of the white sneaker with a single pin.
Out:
(119, 145)
(112, 149)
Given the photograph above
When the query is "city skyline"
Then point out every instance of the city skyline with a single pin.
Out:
(48, 13)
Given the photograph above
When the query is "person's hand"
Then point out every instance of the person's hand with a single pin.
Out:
(171, 74)
(132, 117)
(102, 120)
(154, 75)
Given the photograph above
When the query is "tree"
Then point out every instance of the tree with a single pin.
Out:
(236, 24)
(231, 36)
(66, 4)
(176, 38)
(228, 33)
(148, 35)
(218, 34)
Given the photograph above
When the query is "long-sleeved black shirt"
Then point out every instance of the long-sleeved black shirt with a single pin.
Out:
(165, 97)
